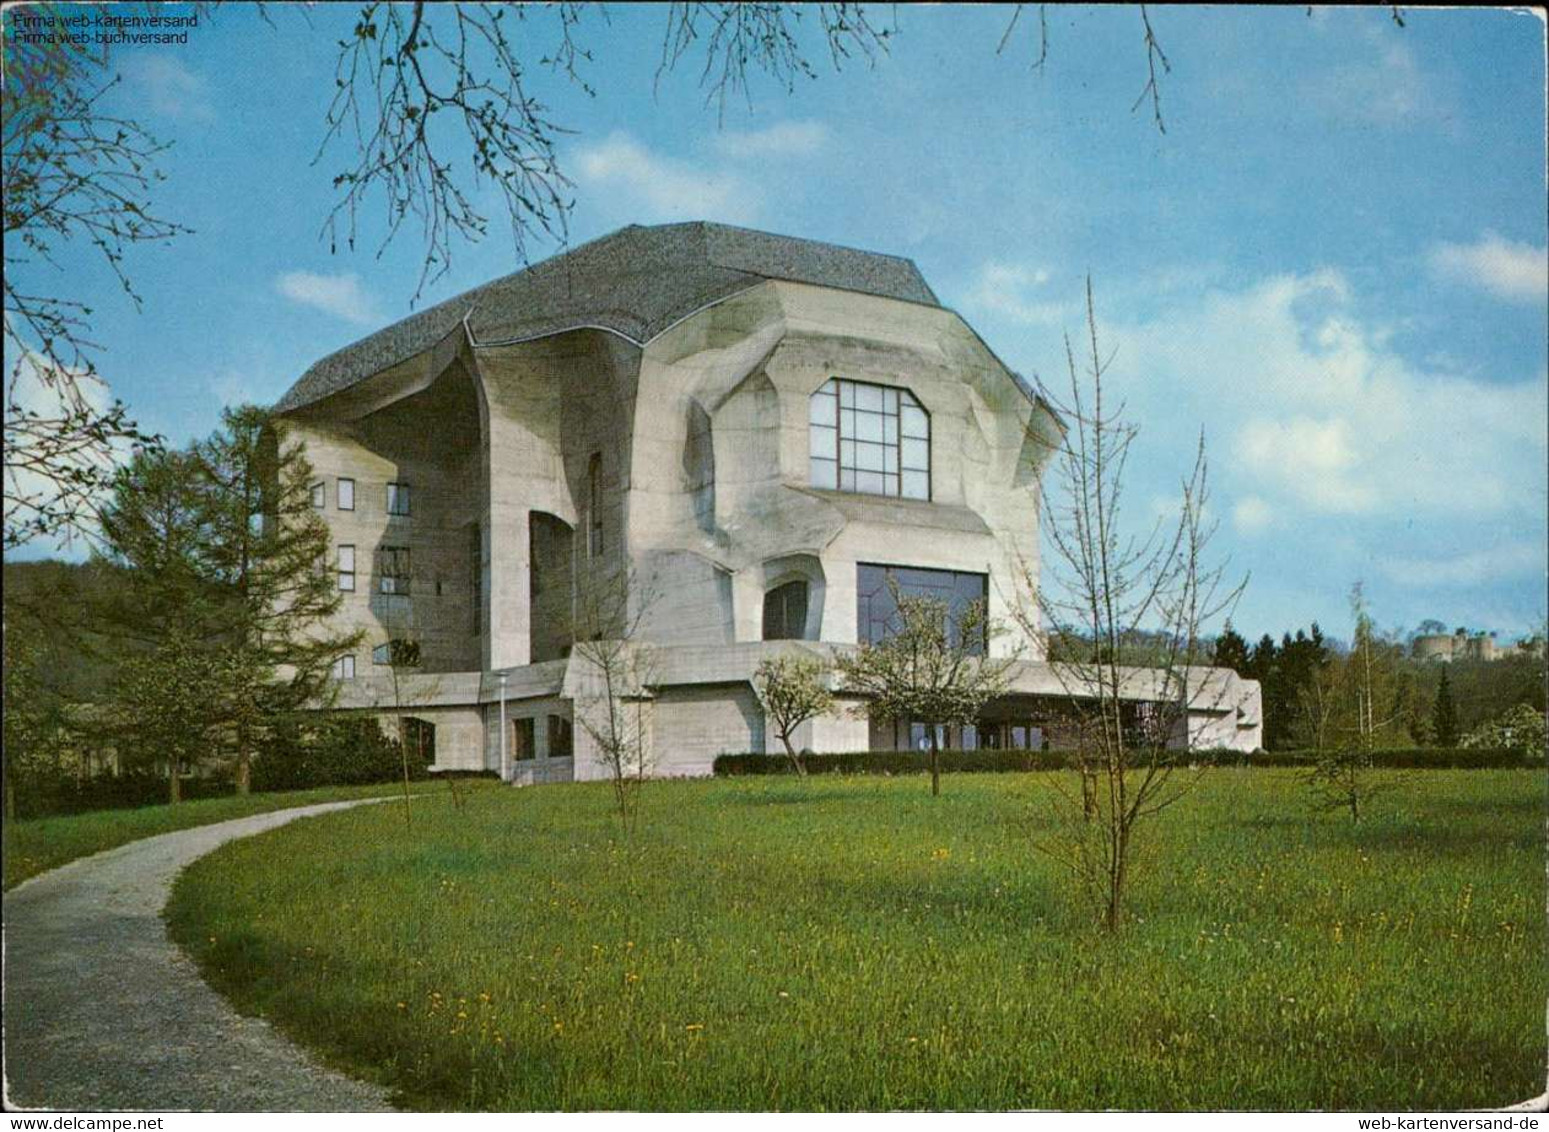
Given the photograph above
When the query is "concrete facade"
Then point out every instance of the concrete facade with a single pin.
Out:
(628, 451)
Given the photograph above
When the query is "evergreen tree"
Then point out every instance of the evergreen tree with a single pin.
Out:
(266, 552)
(164, 614)
(1231, 651)
(1444, 715)
(165, 696)
(227, 561)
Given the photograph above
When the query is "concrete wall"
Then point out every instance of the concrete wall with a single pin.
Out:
(428, 439)
(720, 479)
(695, 724)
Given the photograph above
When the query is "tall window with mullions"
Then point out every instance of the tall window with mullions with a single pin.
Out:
(873, 439)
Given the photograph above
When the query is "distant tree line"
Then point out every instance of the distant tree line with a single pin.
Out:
(1422, 703)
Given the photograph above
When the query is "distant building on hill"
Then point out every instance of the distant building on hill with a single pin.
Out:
(1478, 645)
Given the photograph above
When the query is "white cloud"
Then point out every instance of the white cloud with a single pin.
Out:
(1478, 567)
(1508, 269)
(663, 188)
(1008, 289)
(1317, 459)
(1251, 515)
(783, 139)
(1388, 89)
(338, 295)
(1322, 416)
(168, 86)
(51, 395)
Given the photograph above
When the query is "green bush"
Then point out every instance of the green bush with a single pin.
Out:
(894, 762)
(53, 792)
(339, 750)
(993, 761)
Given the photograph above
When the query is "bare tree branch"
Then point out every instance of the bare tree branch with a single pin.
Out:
(73, 174)
(408, 80)
(767, 38)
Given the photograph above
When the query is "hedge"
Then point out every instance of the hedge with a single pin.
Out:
(342, 750)
(1000, 761)
(54, 793)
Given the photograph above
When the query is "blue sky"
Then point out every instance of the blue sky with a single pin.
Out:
(1334, 259)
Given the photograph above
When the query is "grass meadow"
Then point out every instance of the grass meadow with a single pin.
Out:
(852, 943)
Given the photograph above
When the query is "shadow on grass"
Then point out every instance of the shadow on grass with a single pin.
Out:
(1435, 833)
(796, 795)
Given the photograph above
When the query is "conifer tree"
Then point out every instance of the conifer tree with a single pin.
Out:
(1231, 651)
(228, 559)
(163, 615)
(1444, 715)
(266, 553)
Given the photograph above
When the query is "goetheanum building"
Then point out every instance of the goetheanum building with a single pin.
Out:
(715, 442)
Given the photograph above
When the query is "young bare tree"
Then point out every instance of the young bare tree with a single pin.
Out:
(403, 656)
(934, 669)
(1107, 591)
(792, 691)
(1356, 699)
(620, 668)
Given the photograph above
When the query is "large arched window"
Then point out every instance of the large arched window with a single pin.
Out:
(785, 612)
(869, 438)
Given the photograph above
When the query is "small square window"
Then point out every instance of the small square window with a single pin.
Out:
(344, 668)
(346, 495)
(320, 495)
(825, 442)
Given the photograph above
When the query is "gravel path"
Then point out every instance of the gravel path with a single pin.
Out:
(103, 1012)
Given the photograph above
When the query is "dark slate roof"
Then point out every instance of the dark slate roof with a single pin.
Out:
(637, 281)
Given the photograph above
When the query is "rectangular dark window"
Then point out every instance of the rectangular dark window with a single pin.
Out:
(877, 613)
(594, 544)
(476, 575)
(393, 569)
(785, 612)
(561, 738)
(523, 742)
(397, 499)
(346, 494)
(347, 569)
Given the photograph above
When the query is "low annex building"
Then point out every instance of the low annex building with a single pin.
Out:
(726, 441)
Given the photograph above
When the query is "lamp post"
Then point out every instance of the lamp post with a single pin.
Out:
(505, 757)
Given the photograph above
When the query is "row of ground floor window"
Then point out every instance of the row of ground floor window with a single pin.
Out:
(538, 742)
